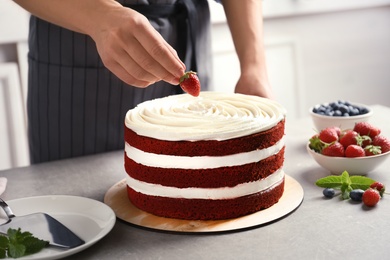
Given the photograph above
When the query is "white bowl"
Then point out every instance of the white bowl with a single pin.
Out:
(344, 122)
(354, 166)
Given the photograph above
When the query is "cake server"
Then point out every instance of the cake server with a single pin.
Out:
(42, 226)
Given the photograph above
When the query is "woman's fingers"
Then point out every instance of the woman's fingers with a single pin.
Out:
(147, 63)
(135, 52)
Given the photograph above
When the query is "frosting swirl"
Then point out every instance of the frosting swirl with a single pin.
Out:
(211, 116)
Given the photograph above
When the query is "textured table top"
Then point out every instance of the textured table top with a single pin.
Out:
(318, 229)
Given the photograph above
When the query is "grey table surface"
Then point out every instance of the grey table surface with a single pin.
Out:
(318, 229)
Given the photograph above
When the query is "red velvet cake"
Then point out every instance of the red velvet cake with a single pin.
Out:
(216, 156)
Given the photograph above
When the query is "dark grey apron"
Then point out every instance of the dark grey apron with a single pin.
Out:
(75, 105)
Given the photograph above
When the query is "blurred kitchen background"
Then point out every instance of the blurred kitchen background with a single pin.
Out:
(317, 51)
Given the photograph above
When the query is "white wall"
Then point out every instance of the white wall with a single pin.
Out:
(317, 51)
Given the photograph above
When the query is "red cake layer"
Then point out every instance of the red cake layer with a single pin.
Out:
(202, 209)
(206, 147)
(205, 178)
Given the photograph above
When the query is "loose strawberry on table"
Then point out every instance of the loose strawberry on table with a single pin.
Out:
(379, 187)
(371, 197)
(189, 82)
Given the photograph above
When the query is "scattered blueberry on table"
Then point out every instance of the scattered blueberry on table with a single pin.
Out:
(340, 108)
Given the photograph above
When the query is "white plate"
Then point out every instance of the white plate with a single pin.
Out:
(91, 220)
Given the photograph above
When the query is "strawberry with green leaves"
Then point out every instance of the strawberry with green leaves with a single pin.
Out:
(189, 82)
(365, 128)
(335, 149)
(383, 142)
(371, 150)
(379, 187)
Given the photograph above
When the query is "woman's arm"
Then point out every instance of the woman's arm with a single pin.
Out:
(128, 45)
(245, 21)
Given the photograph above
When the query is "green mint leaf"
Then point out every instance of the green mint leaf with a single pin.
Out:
(345, 186)
(16, 250)
(3, 246)
(3, 253)
(361, 182)
(346, 189)
(19, 244)
(345, 178)
(12, 234)
(330, 182)
(3, 242)
(34, 245)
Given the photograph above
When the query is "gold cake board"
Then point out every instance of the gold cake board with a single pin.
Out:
(116, 198)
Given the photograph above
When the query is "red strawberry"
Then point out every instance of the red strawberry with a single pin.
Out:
(371, 197)
(364, 128)
(189, 82)
(365, 140)
(349, 137)
(336, 150)
(372, 150)
(383, 142)
(328, 135)
(354, 150)
(379, 187)
(337, 129)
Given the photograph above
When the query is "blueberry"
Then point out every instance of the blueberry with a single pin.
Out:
(329, 113)
(354, 112)
(337, 113)
(344, 109)
(356, 195)
(328, 192)
(363, 111)
(334, 105)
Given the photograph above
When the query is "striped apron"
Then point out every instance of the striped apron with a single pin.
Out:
(75, 105)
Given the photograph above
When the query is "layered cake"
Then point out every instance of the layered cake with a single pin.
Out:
(216, 156)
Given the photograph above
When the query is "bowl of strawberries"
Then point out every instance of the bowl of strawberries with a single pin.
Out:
(359, 150)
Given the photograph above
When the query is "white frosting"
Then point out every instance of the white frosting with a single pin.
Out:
(240, 190)
(200, 162)
(211, 116)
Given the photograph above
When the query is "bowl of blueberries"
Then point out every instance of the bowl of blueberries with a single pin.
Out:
(343, 114)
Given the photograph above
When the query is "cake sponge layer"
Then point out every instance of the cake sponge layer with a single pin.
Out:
(207, 147)
(202, 209)
(205, 178)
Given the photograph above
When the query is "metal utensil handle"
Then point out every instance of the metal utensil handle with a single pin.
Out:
(6, 209)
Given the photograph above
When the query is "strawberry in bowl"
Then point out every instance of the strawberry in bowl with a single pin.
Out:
(358, 150)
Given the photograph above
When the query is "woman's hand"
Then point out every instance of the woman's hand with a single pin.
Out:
(134, 51)
(246, 25)
(253, 83)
